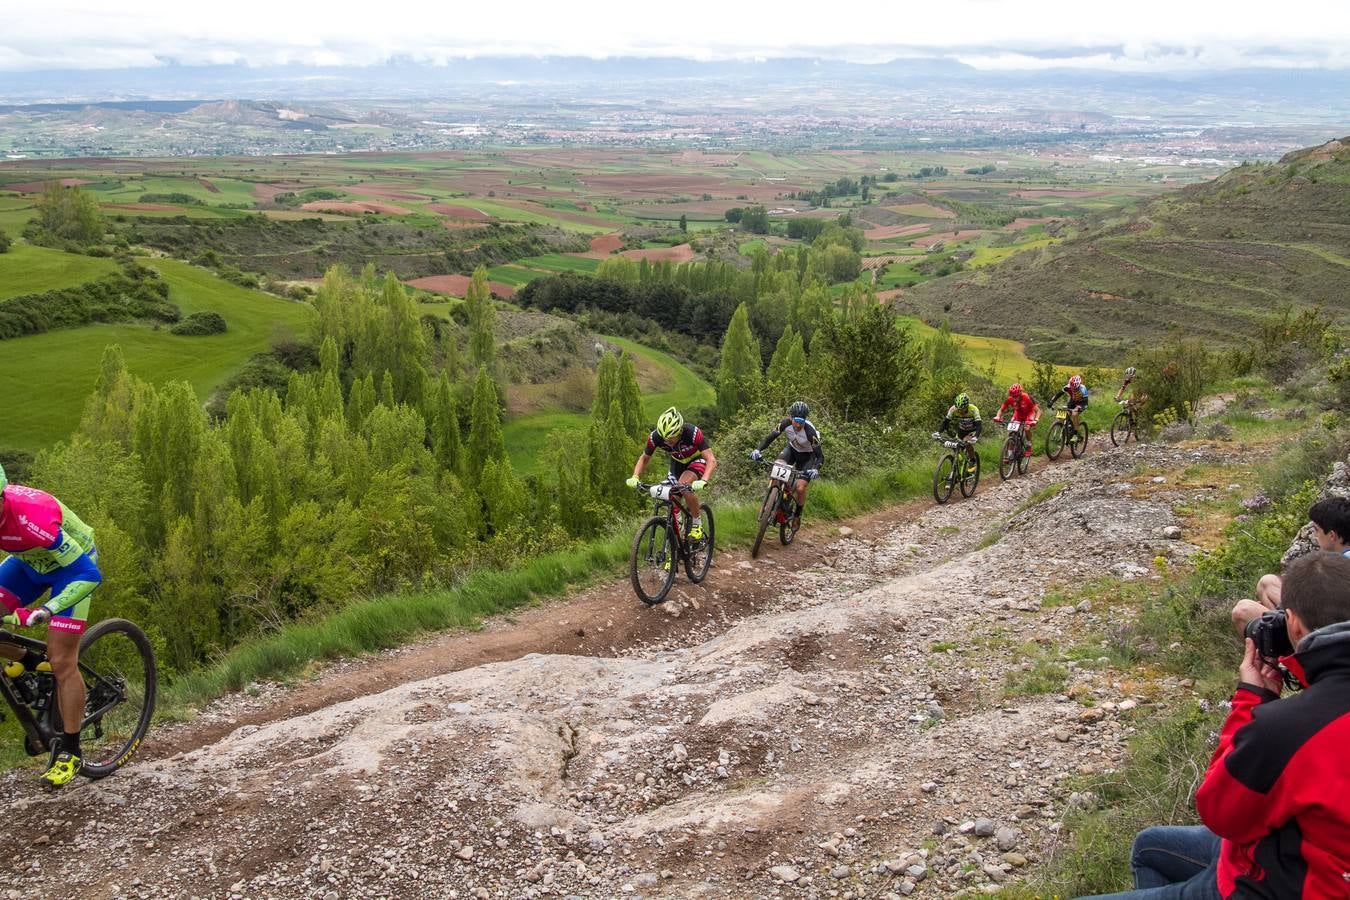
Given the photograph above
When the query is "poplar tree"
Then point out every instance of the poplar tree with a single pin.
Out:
(445, 436)
(738, 374)
(787, 369)
(485, 425)
(482, 322)
(630, 398)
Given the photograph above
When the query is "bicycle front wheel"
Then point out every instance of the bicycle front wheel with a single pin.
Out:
(766, 511)
(120, 682)
(971, 476)
(1054, 441)
(944, 478)
(1120, 428)
(699, 554)
(1079, 445)
(653, 560)
(1008, 457)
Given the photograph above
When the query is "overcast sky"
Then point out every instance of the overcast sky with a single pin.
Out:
(1130, 35)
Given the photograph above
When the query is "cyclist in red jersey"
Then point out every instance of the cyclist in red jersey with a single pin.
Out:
(1025, 410)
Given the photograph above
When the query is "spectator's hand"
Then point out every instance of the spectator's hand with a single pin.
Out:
(1244, 612)
(1255, 671)
(755, 455)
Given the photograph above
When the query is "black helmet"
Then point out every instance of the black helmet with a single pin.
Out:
(798, 410)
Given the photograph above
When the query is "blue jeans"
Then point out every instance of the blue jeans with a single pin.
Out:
(1174, 862)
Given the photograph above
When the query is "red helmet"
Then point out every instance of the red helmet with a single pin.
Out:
(1014, 392)
(1075, 381)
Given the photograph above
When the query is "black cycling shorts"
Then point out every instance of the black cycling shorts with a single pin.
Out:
(800, 459)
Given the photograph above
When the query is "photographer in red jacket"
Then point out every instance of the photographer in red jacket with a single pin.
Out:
(1276, 798)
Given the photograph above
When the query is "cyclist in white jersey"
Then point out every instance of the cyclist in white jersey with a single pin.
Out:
(802, 451)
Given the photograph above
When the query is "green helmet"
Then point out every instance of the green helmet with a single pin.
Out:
(962, 401)
(669, 423)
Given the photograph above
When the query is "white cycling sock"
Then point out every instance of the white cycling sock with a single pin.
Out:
(696, 521)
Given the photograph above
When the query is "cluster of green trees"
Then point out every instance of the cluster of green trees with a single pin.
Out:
(382, 467)
(136, 292)
(754, 219)
(66, 217)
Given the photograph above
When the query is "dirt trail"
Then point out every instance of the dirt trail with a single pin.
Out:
(830, 719)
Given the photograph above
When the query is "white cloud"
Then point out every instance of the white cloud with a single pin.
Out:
(1142, 34)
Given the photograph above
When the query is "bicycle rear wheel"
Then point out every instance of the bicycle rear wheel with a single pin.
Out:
(1079, 445)
(118, 666)
(699, 554)
(944, 478)
(766, 511)
(1054, 440)
(1008, 457)
(653, 560)
(1121, 426)
(971, 476)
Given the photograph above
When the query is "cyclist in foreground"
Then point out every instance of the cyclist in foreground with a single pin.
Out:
(51, 550)
(964, 416)
(1077, 392)
(802, 452)
(691, 461)
(1025, 410)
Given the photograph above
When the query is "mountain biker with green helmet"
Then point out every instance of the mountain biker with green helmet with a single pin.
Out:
(964, 417)
(691, 461)
(802, 452)
(50, 550)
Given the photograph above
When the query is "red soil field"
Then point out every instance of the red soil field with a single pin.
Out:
(606, 243)
(459, 212)
(355, 206)
(387, 191)
(458, 285)
(37, 187)
(680, 254)
(893, 231)
(208, 185)
(265, 192)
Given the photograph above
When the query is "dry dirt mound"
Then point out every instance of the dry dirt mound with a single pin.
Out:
(459, 212)
(605, 244)
(680, 253)
(849, 733)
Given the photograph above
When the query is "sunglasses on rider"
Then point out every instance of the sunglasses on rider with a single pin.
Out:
(800, 420)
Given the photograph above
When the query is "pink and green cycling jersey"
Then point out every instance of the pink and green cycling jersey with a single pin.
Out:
(50, 549)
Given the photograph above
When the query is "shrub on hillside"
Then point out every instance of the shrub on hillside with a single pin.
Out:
(136, 292)
(4, 241)
(201, 323)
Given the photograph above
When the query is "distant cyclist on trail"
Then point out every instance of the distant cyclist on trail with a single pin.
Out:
(49, 549)
(1025, 410)
(691, 461)
(1077, 392)
(802, 452)
(1129, 377)
(964, 417)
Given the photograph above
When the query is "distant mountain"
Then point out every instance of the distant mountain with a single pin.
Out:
(1209, 260)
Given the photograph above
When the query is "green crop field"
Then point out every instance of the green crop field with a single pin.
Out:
(560, 262)
(26, 269)
(53, 373)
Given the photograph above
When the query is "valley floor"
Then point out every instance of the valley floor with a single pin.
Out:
(854, 716)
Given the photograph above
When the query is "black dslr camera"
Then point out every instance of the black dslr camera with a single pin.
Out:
(1270, 636)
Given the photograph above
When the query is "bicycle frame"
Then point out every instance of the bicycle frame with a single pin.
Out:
(39, 732)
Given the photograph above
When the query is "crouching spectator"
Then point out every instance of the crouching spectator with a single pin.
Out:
(1275, 801)
(1330, 520)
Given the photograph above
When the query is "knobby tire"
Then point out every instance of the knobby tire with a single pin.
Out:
(105, 664)
(766, 510)
(698, 561)
(944, 478)
(654, 536)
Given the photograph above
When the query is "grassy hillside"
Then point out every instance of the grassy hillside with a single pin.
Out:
(1211, 259)
(54, 372)
(31, 270)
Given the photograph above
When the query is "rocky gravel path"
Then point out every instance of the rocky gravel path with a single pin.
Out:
(832, 720)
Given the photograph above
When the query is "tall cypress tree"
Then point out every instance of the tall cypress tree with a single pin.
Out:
(485, 425)
(630, 397)
(738, 375)
(787, 369)
(445, 440)
(482, 322)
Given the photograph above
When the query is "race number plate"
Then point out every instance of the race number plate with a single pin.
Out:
(781, 472)
(661, 491)
(1061, 414)
(1014, 427)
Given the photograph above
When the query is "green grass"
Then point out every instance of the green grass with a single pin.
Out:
(26, 269)
(527, 436)
(560, 262)
(63, 365)
(748, 248)
(513, 275)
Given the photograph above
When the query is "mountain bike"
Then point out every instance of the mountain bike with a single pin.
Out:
(1123, 426)
(1013, 457)
(779, 507)
(1062, 434)
(117, 664)
(661, 543)
(959, 465)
